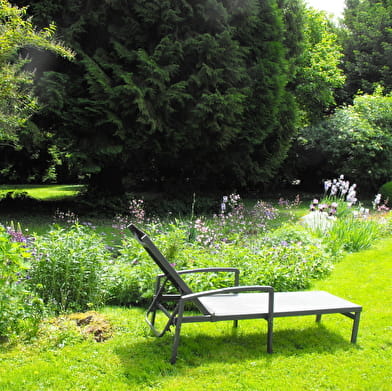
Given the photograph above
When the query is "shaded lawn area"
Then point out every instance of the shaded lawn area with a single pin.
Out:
(307, 356)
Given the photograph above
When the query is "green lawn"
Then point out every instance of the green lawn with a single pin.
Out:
(307, 356)
(45, 192)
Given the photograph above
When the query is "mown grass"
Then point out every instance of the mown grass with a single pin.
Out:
(307, 356)
(44, 192)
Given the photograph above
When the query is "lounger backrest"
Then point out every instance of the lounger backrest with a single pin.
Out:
(160, 260)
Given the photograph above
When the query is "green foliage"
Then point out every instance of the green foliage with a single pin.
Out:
(355, 140)
(318, 75)
(290, 233)
(352, 234)
(69, 268)
(133, 273)
(386, 191)
(163, 86)
(17, 101)
(367, 45)
(20, 311)
(286, 264)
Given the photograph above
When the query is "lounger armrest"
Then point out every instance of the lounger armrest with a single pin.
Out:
(235, 289)
(206, 269)
(209, 270)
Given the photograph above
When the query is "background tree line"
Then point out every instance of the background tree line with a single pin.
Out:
(177, 95)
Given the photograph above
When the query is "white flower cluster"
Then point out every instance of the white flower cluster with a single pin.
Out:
(379, 205)
(341, 188)
(377, 201)
(232, 200)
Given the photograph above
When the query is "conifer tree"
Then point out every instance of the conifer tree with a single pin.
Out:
(171, 93)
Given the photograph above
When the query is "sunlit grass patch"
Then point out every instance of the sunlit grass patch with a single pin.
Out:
(44, 192)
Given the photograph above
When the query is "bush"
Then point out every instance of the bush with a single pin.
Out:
(69, 268)
(287, 267)
(386, 191)
(19, 308)
(133, 273)
(291, 265)
(355, 140)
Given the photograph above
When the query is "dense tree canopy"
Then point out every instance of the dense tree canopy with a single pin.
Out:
(367, 40)
(179, 94)
(17, 101)
(171, 92)
(318, 75)
(356, 141)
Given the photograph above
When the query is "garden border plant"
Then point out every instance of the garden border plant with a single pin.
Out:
(72, 268)
(69, 268)
(20, 310)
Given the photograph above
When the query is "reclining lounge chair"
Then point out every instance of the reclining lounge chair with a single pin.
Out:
(233, 303)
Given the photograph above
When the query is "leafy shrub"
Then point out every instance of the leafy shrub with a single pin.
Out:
(123, 287)
(17, 199)
(386, 191)
(133, 273)
(288, 266)
(289, 234)
(18, 307)
(356, 140)
(69, 268)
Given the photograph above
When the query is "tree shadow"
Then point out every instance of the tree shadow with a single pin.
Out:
(146, 361)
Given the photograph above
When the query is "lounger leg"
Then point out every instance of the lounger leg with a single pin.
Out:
(235, 324)
(270, 335)
(153, 315)
(318, 318)
(177, 334)
(355, 327)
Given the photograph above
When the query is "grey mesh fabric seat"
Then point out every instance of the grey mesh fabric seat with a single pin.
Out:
(232, 303)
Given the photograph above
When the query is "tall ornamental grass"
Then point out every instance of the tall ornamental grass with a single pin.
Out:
(353, 233)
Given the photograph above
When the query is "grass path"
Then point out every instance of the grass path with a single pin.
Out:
(307, 356)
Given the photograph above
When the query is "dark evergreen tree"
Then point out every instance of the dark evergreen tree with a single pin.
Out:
(171, 93)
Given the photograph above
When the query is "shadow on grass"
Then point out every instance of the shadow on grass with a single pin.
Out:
(146, 361)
